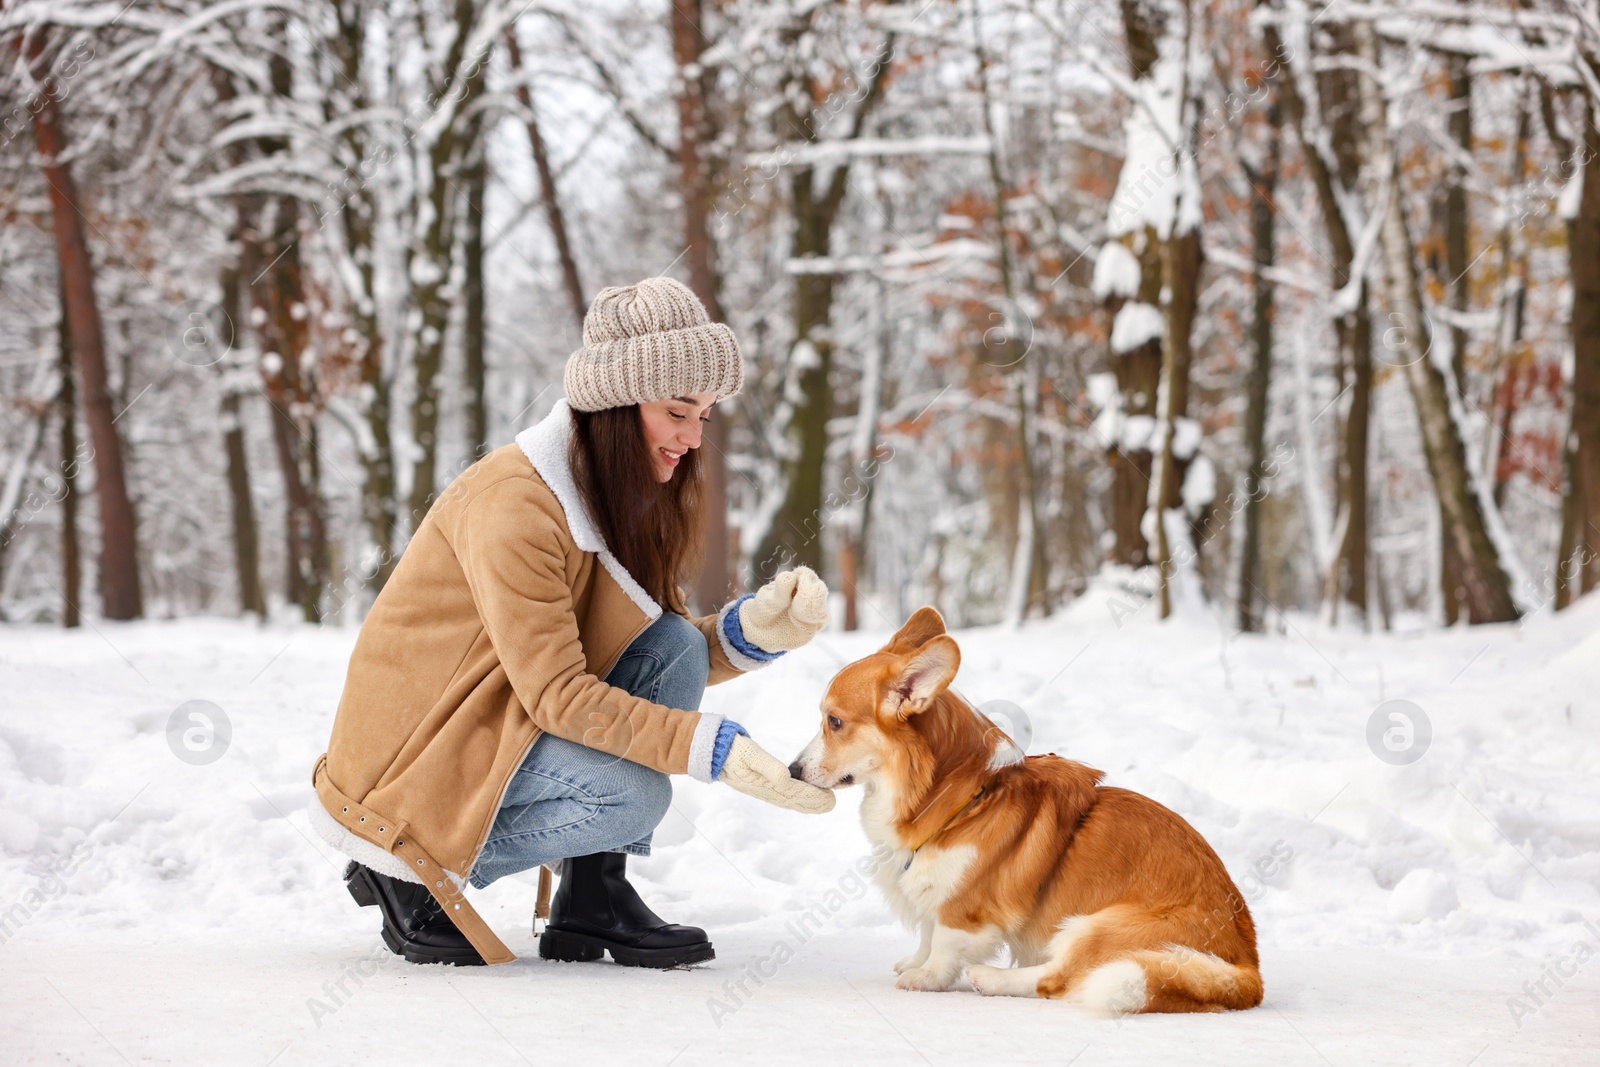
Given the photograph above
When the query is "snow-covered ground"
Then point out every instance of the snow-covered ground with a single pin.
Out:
(1442, 911)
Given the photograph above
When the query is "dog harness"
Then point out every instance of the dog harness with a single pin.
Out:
(940, 828)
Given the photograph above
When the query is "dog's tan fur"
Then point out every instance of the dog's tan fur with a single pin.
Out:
(1104, 896)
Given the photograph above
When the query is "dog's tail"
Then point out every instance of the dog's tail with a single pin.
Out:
(1170, 979)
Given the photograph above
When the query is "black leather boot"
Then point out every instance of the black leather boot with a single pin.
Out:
(596, 911)
(414, 926)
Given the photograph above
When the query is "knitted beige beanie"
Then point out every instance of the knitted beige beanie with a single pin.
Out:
(648, 342)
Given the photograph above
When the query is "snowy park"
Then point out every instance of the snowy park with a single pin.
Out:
(1441, 911)
(800, 532)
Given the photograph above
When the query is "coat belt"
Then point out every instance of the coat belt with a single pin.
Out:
(391, 836)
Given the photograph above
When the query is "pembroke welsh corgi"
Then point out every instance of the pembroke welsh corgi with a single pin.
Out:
(1103, 896)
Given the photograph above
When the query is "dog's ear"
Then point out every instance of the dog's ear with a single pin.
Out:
(924, 625)
(922, 676)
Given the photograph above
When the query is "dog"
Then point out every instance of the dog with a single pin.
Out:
(1104, 897)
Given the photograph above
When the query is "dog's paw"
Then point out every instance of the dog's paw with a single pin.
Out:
(983, 979)
(992, 981)
(913, 960)
(923, 980)
(1005, 981)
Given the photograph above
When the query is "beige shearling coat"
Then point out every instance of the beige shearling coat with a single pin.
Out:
(499, 622)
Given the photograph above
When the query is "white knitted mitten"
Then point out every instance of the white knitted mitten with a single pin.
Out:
(755, 772)
(787, 611)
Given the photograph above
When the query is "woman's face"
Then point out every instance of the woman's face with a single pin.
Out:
(672, 427)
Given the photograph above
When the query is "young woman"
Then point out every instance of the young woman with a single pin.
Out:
(528, 677)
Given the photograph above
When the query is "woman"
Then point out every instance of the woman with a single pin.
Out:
(528, 677)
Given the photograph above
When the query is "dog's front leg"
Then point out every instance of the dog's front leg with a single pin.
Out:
(919, 957)
(950, 952)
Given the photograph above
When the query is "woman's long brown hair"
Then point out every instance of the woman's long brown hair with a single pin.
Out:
(655, 529)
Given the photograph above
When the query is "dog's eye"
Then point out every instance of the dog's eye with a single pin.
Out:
(834, 723)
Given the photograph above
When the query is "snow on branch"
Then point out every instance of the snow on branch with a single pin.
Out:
(1136, 325)
(1116, 272)
(945, 251)
(824, 153)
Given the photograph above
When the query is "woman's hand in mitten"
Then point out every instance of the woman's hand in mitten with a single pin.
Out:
(755, 772)
(786, 612)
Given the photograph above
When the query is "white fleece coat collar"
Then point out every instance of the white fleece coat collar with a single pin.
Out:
(545, 444)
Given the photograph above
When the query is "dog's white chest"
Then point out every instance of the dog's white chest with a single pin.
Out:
(934, 874)
(915, 891)
(918, 891)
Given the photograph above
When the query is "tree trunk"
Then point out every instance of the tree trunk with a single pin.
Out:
(547, 184)
(246, 533)
(1030, 575)
(794, 536)
(1579, 564)
(271, 258)
(428, 356)
(1149, 375)
(67, 401)
(1355, 343)
(695, 132)
(1570, 548)
(119, 554)
(379, 507)
(246, 546)
(1485, 585)
(474, 171)
(1180, 290)
(1457, 221)
(290, 390)
(864, 456)
(1455, 284)
(1333, 163)
(1508, 362)
(847, 580)
(1341, 102)
(1263, 222)
(473, 325)
(235, 310)
(432, 248)
(358, 214)
(1138, 370)
(1138, 379)
(1180, 256)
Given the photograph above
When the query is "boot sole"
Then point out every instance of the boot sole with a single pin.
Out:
(411, 953)
(570, 947)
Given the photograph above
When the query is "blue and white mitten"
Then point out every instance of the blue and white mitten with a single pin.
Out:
(782, 615)
(753, 771)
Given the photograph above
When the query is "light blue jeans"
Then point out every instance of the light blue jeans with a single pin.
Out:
(570, 800)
